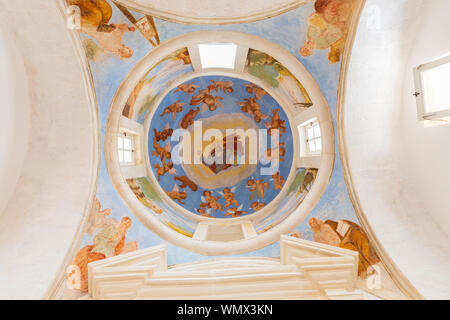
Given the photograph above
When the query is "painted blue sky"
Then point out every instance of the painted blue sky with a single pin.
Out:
(230, 103)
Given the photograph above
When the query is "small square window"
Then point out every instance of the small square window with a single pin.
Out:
(217, 55)
(432, 89)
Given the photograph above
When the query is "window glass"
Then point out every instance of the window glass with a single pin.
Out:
(436, 88)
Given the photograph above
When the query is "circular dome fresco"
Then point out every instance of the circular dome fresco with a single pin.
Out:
(199, 180)
(231, 119)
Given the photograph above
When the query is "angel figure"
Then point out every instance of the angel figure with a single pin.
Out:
(253, 108)
(165, 168)
(235, 212)
(173, 109)
(228, 195)
(276, 123)
(257, 187)
(256, 206)
(163, 135)
(205, 213)
(278, 181)
(177, 195)
(187, 88)
(162, 152)
(225, 86)
(207, 100)
(254, 89)
(209, 201)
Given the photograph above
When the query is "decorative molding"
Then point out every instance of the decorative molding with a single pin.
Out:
(397, 276)
(331, 267)
(308, 271)
(60, 277)
(240, 15)
(120, 277)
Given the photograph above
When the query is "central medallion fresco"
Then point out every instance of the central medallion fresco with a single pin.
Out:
(235, 173)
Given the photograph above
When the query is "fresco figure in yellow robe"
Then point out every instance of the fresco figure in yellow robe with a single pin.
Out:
(109, 242)
(347, 235)
(95, 18)
(94, 13)
(328, 28)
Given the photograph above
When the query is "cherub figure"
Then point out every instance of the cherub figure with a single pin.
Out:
(210, 202)
(189, 118)
(235, 212)
(162, 153)
(225, 86)
(228, 195)
(95, 21)
(254, 89)
(204, 213)
(278, 181)
(258, 187)
(165, 168)
(187, 88)
(201, 94)
(177, 195)
(173, 109)
(163, 135)
(207, 100)
(276, 123)
(186, 182)
(256, 206)
(253, 108)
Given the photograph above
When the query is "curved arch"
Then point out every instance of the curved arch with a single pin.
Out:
(15, 119)
(231, 11)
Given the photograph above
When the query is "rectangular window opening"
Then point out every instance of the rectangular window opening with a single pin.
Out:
(125, 148)
(432, 90)
(310, 138)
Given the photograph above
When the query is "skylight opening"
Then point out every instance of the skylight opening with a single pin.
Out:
(217, 55)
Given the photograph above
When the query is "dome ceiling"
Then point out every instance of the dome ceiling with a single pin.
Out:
(230, 178)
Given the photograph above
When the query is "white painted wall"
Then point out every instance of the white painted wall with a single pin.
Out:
(15, 116)
(400, 170)
(426, 153)
(45, 210)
